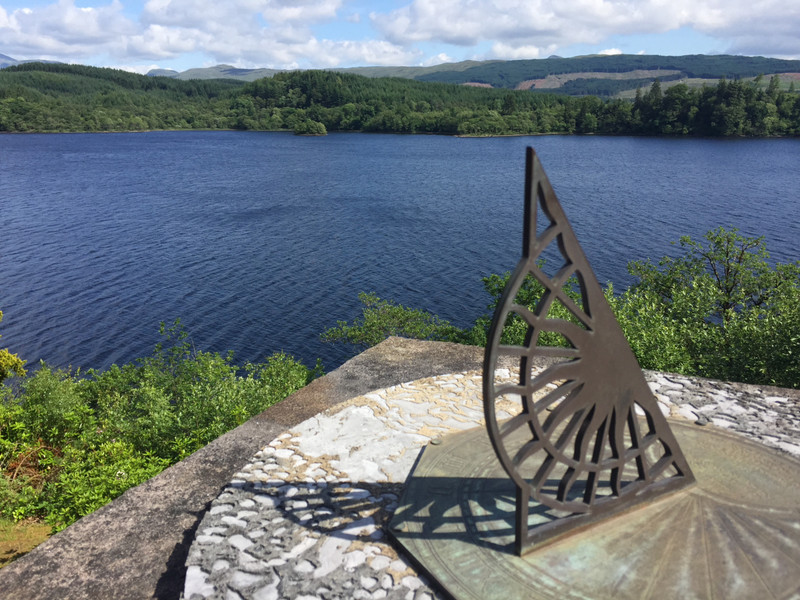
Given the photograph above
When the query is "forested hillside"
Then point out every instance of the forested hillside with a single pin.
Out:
(509, 74)
(54, 97)
(58, 97)
(597, 75)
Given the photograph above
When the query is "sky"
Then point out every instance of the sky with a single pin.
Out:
(283, 34)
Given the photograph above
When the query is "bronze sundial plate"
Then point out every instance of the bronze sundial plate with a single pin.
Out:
(734, 534)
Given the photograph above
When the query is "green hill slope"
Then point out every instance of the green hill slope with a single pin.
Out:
(577, 76)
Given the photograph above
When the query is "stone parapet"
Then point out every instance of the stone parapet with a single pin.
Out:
(215, 501)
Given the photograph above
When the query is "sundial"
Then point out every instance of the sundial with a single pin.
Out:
(578, 486)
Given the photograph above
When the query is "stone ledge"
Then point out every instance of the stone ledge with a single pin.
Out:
(136, 547)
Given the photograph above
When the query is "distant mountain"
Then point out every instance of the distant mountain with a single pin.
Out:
(539, 73)
(229, 72)
(618, 75)
(163, 73)
(600, 75)
(216, 72)
(7, 61)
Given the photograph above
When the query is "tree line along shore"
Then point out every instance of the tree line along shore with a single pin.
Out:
(44, 97)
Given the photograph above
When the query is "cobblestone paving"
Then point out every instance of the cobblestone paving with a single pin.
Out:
(304, 518)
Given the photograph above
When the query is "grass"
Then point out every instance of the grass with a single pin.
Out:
(17, 539)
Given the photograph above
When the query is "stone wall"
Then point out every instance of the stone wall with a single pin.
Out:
(136, 547)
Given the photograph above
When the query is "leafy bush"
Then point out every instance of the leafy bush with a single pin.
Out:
(70, 444)
(719, 310)
(91, 475)
(10, 364)
(383, 318)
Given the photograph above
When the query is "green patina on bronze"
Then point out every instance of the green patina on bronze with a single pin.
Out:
(734, 534)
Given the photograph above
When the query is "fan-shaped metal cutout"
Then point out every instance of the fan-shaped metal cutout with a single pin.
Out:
(590, 440)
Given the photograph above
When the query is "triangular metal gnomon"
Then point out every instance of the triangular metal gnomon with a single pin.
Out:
(583, 439)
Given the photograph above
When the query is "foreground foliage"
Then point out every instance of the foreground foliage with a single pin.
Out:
(10, 364)
(719, 309)
(70, 443)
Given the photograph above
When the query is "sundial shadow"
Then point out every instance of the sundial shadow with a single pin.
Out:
(352, 511)
(474, 511)
(478, 511)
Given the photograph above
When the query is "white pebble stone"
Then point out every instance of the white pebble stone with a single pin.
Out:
(354, 559)
(209, 539)
(304, 566)
(241, 579)
(234, 522)
(240, 542)
(398, 565)
(220, 565)
(411, 582)
(267, 501)
(379, 563)
(284, 457)
(368, 582)
(197, 583)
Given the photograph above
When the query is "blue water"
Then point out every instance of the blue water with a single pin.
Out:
(260, 241)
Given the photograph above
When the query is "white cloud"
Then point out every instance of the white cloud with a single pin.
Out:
(528, 28)
(295, 33)
(160, 42)
(200, 14)
(140, 69)
(511, 52)
(610, 51)
(301, 11)
(439, 59)
(63, 29)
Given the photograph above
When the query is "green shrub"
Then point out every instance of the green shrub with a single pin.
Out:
(70, 444)
(53, 407)
(10, 364)
(92, 475)
(383, 318)
(719, 310)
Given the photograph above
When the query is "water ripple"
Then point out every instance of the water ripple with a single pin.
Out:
(259, 242)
